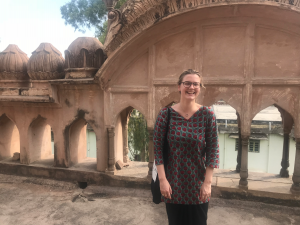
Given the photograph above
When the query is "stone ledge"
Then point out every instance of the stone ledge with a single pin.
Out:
(71, 174)
(26, 99)
(103, 179)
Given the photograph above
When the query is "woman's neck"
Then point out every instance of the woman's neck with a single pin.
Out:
(187, 106)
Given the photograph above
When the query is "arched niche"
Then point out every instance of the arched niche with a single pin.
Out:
(121, 135)
(9, 138)
(39, 140)
(77, 142)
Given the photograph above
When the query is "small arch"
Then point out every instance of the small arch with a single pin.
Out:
(266, 142)
(278, 105)
(138, 138)
(39, 140)
(128, 106)
(9, 138)
(129, 123)
(81, 145)
(228, 122)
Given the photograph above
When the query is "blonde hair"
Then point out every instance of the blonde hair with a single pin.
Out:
(188, 72)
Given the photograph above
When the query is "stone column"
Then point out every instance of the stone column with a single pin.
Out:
(239, 153)
(111, 150)
(296, 175)
(125, 143)
(287, 123)
(244, 163)
(284, 172)
(151, 151)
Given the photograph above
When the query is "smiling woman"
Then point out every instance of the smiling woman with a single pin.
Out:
(185, 177)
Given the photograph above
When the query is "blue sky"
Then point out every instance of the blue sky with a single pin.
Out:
(27, 23)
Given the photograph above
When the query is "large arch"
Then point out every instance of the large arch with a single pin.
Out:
(150, 63)
(247, 54)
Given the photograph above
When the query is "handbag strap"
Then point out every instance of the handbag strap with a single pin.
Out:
(166, 143)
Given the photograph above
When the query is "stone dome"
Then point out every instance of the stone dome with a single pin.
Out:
(84, 57)
(46, 63)
(13, 64)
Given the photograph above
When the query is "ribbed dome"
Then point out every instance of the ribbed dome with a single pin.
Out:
(89, 43)
(13, 64)
(46, 63)
(85, 52)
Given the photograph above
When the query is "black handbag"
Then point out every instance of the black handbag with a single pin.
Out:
(155, 186)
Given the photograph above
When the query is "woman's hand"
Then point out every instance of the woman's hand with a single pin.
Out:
(205, 191)
(165, 188)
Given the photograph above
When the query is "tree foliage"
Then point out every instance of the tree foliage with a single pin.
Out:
(138, 136)
(87, 14)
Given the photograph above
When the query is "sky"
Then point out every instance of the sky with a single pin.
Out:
(27, 23)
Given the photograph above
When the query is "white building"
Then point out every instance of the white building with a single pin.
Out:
(266, 146)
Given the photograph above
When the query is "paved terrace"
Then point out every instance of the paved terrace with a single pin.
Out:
(269, 188)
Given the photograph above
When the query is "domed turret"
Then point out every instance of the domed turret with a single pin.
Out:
(13, 64)
(46, 63)
(84, 57)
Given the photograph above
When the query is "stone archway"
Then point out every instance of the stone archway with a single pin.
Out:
(235, 48)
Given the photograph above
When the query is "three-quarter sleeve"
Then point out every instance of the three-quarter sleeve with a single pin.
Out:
(159, 135)
(211, 139)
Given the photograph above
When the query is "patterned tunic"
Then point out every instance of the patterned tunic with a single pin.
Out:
(193, 147)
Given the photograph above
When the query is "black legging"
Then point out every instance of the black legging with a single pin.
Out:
(187, 214)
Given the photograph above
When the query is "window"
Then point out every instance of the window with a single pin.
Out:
(236, 144)
(254, 145)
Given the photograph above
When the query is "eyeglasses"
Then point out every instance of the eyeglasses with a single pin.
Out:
(188, 84)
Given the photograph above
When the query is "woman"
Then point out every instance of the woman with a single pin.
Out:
(193, 154)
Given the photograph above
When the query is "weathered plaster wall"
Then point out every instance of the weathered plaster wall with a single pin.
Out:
(231, 46)
(75, 102)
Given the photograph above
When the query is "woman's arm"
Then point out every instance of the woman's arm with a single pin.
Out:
(165, 187)
(158, 140)
(205, 191)
(212, 154)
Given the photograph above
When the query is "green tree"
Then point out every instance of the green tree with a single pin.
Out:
(138, 136)
(87, 14)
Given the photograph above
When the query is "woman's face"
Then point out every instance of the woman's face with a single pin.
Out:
(190, 93)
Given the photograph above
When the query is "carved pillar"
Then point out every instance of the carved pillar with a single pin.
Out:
(296, 175)
(125, 143)
(244, 163)
(287, 123)
(111, 149)
(239, 153)
(151, 151)
(284, 172)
